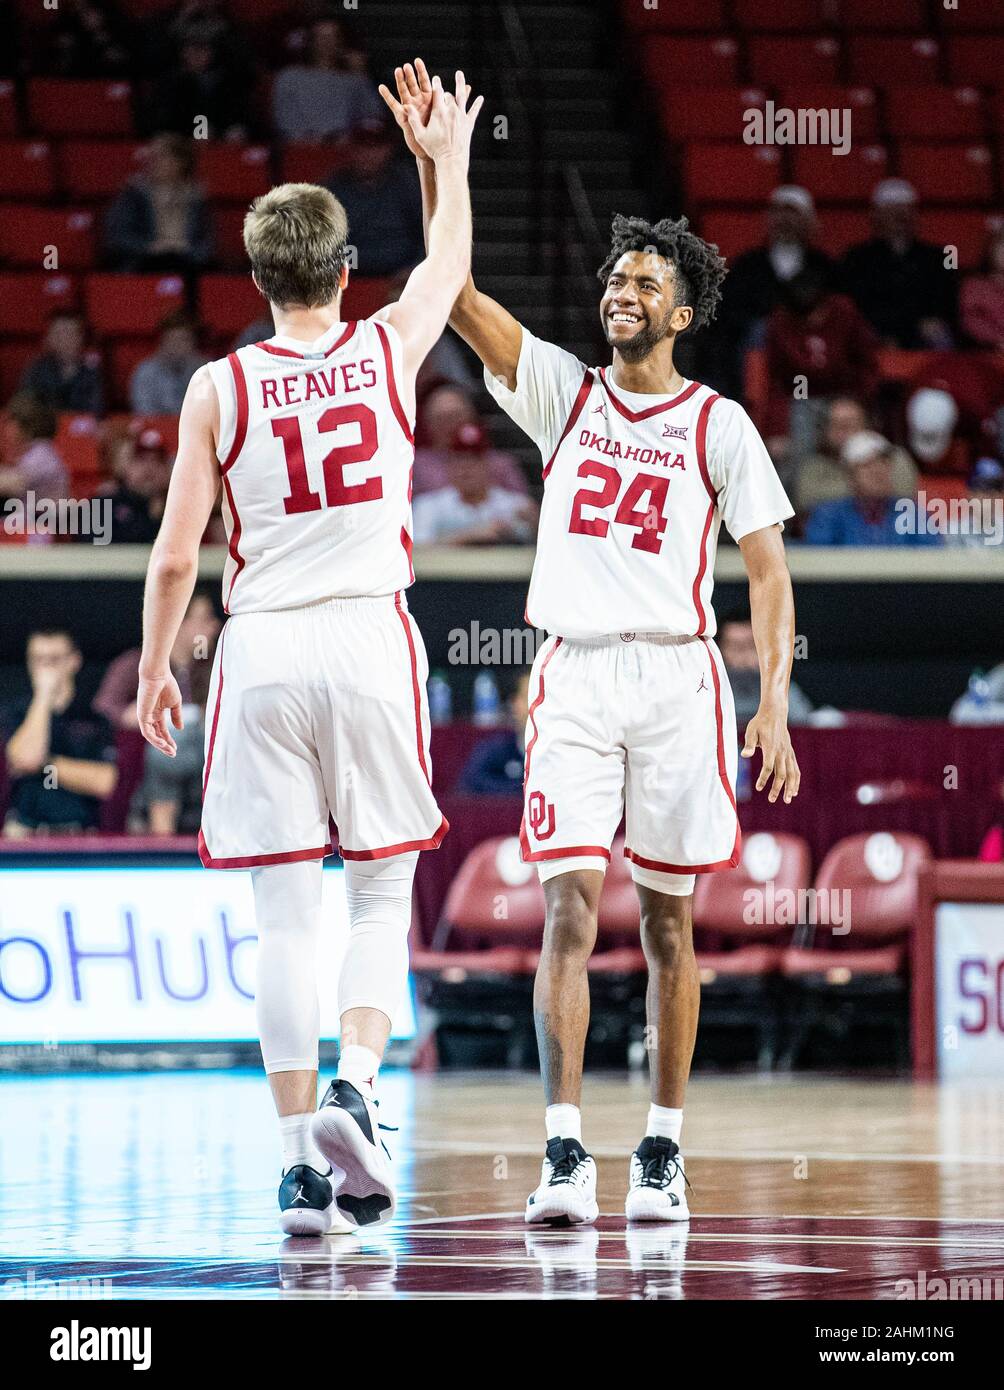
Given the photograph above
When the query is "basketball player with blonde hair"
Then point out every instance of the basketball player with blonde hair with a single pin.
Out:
(317, 705)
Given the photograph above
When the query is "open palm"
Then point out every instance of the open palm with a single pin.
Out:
(415, 90)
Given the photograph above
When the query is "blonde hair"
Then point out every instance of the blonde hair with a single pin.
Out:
(295, 237)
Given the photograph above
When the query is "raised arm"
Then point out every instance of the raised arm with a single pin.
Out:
(174, 560)
(444, 137)
(489, 329)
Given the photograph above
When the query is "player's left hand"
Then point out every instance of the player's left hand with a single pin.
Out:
(158, 706)
(768, 731)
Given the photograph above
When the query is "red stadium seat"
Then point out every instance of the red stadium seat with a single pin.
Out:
(127, 423)
(365, 295)
(78, 441)
(949, 173)
(312, 163)
(122, 357)
(984, 19)
(234, 173)
(881, 60)
(976, 58)
(780, 16)
(905, 16)
(131, 305)
(26, 232)
(773, 60)
(67, 106)
(29, 299)
(26, 169)
(732, 173)
(951, 113)
(847, 178)
(777, 863)
(228, 303)
(823, 96)
(732, 232)
(9, 121)
(699, 16)
(963, 228)
(97, 169)
(716, 113)
(14, 359)
(690, 62)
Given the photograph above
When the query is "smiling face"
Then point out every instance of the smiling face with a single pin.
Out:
(638, 309)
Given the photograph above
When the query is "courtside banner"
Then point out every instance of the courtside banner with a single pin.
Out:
(92, 955)
(969, 982)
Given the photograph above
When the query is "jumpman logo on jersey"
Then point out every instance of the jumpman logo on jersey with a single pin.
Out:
(600, 409)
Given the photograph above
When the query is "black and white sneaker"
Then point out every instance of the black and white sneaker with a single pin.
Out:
(347, 1132)
(567, 1192)
(306, 1202)
(657, 1184)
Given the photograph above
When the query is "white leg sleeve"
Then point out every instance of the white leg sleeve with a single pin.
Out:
(287, 900)
(375, 969)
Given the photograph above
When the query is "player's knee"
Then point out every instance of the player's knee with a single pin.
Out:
(570, 924)
(666, 933)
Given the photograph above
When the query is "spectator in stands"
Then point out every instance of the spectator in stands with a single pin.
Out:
(821, 476)
(495, 764)
(201, 88)
(192, 652)
(981, 309)
(60, 755)
(756, 278)
(985, 496)
(738, 649)
(65, 374)
(818, 346)
(471, 509)
(86, 38)
(931, 419)
(380, 194)
(142, 474)
(899, 282)
(159, 382)
(31, 460)
(323, 98)
(256, 332)
(441, 412)
(869, 514)
(160, 220)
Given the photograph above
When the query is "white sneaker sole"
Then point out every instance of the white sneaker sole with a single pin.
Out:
(309, 1221)
(562, 1208)
(360, 1180)
(647, 1204)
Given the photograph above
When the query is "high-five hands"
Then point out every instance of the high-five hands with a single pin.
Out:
(436, 125)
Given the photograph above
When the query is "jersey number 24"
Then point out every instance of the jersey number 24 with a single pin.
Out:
(649, 521)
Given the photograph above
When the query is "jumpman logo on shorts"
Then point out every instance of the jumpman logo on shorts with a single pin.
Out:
(701, 687)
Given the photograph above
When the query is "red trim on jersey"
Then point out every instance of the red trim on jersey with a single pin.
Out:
(575, 852)
(635, 415)
(660, 867)
(343, 338)
(233, 545)
(241, 425)
(702, 464)
(577, 404)
(524, 842)
(395, 399)
(253, 861)
(407, 845)
(216, 716)
(409, 547)
(415, 685)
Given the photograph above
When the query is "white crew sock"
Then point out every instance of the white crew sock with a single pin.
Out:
(563, 1122)
(297, 1145)
(359, 1066)
(664, 1123)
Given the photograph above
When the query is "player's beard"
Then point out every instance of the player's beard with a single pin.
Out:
(646, 340)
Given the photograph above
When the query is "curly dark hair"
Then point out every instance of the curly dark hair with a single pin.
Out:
(699, 268)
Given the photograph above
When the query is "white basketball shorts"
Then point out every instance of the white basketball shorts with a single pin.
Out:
(634, 725)
(313, 712)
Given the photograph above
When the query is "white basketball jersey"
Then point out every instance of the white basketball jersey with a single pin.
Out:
(635, 489)
(316, 455)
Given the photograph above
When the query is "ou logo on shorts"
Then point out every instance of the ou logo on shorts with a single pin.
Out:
(540, 815)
